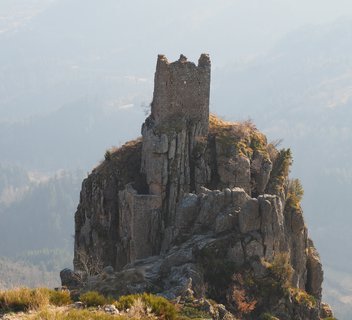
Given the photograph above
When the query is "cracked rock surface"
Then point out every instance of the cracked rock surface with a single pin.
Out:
(198, 206)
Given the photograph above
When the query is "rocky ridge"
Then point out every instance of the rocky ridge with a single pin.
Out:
(198, 208)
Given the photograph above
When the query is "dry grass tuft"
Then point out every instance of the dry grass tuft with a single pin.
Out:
(74, 314)
(242, 138)
(24, 299)
(237, 130)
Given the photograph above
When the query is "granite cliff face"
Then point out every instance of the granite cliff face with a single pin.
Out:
(199, 208)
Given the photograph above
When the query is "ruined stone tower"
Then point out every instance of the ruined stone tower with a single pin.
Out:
(136, 218)
(174, 139)
(181, 91)
(174, 136)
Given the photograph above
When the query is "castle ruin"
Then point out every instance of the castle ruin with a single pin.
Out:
(194, 187)
(177, 125)
(181, 91)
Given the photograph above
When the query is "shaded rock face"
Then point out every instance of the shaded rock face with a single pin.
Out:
(184, 210)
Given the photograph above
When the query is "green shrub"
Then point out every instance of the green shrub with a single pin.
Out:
(160, 306)
(93, 299)
(23, 299)
(126, 302)
(59, 298)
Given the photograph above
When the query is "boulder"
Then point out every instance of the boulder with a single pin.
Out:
(70, 279)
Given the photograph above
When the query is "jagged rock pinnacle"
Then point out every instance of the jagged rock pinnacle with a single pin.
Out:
(199, 206)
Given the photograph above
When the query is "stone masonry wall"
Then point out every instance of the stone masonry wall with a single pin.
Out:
(139, 225)
(181, 89)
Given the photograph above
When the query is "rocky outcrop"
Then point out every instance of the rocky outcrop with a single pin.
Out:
(198, 207)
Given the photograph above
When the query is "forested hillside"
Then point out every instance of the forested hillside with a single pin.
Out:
(36, 227)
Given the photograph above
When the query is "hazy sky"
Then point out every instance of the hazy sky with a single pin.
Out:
(255, 25)
(80, 32)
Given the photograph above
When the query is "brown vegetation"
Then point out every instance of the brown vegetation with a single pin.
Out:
(244, 304)
(243, 138)
(23, 299)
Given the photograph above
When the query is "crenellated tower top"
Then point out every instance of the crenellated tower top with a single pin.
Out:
(182, 89)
